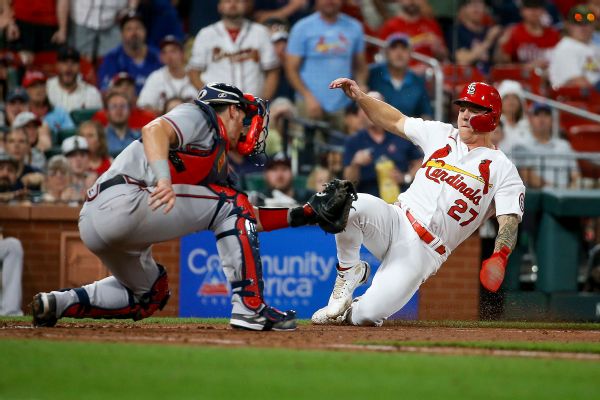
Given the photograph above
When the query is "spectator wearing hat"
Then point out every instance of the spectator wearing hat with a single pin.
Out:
(373, 144)
(133, 56)
(575, 60)
(67, 90)
(543, 160)
(169, 81)
(93, 132)
(118, 133)
(55, 118)
(75, 149)
(124, 83)
(17, 101)
(325, 45)
(36, 26)
(93, 29)
(237, 51)
(11, 259)
(423, 30)
(30, 124)
(476, 36)
(530, 41)
(279, 179)
(17, 147)
(57, 185)
(399, 86)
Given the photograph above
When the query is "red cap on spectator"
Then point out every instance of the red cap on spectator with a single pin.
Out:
(121, 76)
(33, 77)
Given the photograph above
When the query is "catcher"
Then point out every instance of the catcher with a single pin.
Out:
(175, 181)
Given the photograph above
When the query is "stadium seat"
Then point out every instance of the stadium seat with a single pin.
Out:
(586, 138)
(567, 120)
(589, 96)
(84, 114)
(456, 76)
(529, 78)
(63, 134)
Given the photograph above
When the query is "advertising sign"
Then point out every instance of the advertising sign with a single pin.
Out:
(298, 268)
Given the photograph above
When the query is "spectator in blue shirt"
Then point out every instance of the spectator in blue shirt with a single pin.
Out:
(133, 56)
(400, 87)
(366, 147)
(321, 47)
(118, 133)
(475, 39)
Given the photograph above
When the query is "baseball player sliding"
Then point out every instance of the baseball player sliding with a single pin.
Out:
(463, 181)
(172, 182)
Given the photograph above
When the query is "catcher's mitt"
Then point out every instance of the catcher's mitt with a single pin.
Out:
(332, 205)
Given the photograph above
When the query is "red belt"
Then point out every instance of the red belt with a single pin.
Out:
(424, 234)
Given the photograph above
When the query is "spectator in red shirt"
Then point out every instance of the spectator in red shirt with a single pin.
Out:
(34, 26)
(425, 34)
(124, 83)
(528, 42)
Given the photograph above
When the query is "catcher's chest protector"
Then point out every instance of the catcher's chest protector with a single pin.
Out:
(202, 167)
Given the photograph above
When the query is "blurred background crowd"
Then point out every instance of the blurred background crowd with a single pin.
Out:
(80, 78)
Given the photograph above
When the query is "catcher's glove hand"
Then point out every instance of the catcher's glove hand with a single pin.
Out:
(332, 205)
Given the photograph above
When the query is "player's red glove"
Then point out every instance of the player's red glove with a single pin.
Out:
(492, 269)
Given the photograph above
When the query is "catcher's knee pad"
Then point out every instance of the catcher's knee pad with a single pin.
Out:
(150, 301)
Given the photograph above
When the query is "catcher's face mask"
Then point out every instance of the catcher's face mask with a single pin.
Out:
(253, 142)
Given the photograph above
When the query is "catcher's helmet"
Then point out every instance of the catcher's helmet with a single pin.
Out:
(221, 93)
(486, 96)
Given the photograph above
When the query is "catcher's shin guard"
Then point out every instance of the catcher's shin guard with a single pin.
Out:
(155, 299)
(250, 286)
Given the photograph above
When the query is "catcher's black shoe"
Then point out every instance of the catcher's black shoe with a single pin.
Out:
(267, 319)
(43, 310)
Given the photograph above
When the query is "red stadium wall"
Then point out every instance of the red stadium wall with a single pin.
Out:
(50, 240)
(453, 293)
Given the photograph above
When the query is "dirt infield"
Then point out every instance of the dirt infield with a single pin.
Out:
(306, 337)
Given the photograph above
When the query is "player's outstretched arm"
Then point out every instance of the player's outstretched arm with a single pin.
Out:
(381, 113)
(492, 269)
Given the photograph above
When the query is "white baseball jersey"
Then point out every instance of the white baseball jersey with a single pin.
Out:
(84, 96)
(241, 63)
(161, 86)
(449, 194)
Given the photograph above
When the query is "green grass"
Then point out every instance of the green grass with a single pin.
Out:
(555, 347)
(74, 370)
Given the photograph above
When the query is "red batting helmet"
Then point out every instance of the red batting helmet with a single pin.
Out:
(486, 96)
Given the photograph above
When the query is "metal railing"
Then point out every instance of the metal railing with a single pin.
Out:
(438, 75)
(557, 106)
(555, 168)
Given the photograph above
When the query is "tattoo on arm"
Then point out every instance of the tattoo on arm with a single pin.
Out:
(507, 232)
